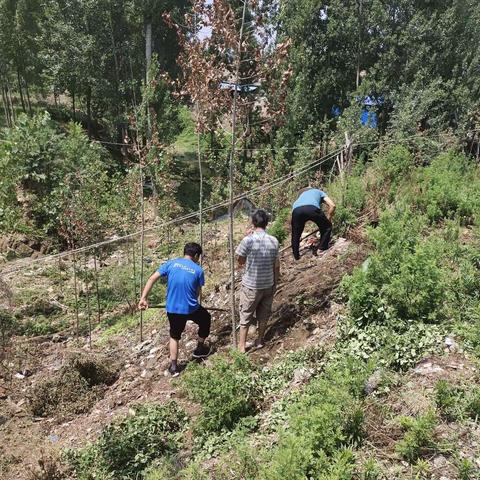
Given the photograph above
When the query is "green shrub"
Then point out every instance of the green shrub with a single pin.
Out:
(370, 470)
(8, 325)
(448, 400)
(225, 388)
(127, 447)
(457, 403)
(279, 228)
(448, 188)
(350, 198)
(395, 163)
(74, 389)
(322, 422)
(419, 436)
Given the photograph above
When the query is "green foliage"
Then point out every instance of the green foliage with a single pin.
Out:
(350, 197)
(370, 470)
(467, 470)
(395, 296)
(8, 325)
(419, 437)
(225, 388)
(456, 402)
(72, 390)
(127, 447)
(53, 183)
(279, 229)
(448, 188)
(323, 420)
(395, 163)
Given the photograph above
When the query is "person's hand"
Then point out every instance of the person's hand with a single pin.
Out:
(142, 304)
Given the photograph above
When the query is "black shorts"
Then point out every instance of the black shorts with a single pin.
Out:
(178, 321)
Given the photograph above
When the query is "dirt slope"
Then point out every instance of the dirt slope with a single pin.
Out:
(303, 314)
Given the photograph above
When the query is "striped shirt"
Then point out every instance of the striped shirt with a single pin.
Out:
(261, 251)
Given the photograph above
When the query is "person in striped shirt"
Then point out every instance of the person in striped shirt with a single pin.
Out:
(258, 254)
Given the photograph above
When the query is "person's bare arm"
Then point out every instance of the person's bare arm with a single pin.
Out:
(330, 207)
(241, 261)
(143, 303)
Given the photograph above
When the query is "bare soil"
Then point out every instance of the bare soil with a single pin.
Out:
(303, 314)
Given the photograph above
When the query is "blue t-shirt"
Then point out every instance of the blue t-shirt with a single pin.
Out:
(184, 277)
(312, 196)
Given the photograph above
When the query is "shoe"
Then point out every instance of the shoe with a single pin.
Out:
(202, 351)
(173, 371)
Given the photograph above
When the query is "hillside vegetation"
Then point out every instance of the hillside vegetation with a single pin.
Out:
(126, 127)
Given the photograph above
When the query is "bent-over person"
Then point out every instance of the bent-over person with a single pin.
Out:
(258, 253)
(307, 208)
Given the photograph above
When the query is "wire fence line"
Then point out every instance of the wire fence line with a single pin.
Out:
(89, 280)
(212, 208)
(182, 218)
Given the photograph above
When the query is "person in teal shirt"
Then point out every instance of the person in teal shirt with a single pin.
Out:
(307, 207)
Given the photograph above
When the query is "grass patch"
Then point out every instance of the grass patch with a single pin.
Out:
(128, 447)
(74, 389)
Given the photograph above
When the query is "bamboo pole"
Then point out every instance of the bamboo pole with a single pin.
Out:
(231, 180)
(87, 292)
(77, 323)
(96, 286)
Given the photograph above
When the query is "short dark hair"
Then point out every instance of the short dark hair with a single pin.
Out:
(191, 249)
(260, 218)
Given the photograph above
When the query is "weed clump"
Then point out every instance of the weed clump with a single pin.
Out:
(128, 447)
(226, 390)
(419, 436)
(457, 403)
(278, 228)
(74, 389)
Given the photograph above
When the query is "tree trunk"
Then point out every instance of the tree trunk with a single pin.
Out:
(73, 106)
(20, 90)
(148, 47)
(10, 99)
(89, 111)
(28, 99)
(6, 107)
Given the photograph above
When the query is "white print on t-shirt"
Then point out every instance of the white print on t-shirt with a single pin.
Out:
(184, 267)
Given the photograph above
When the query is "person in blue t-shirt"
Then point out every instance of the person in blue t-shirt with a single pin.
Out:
(185, 279)
(307, 208)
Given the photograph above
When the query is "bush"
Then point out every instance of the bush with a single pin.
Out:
(418, 439)
(350, 198)
(323, 421)
(225, 388)
(395, 163)
(74, 389)
(457, 403)
(448, 188)
(127, 447)
(279, 228)
(8, 325)
(401, 289)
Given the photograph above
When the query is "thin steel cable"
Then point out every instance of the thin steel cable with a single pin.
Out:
(214, 207)
(188, 216)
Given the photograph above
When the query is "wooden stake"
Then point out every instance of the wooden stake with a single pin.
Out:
(96, 286)
(76, 292)
(231, 182)
(89, 313)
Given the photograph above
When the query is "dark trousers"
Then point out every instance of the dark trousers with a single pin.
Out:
(178, 321)
(300, 216)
